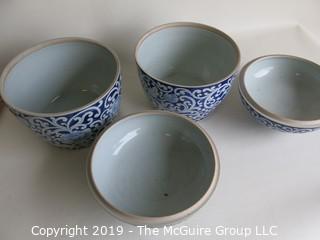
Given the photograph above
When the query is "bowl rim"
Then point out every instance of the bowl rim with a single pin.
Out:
(159, 220)
(265, 112)
(44, 44)
(192, 25)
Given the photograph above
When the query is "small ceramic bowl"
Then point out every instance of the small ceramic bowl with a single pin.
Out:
(187, 68)
(66, 90)
(153, 168)
(282, 92)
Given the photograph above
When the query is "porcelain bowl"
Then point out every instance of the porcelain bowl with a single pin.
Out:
(187, 68)
(153, 168)
(282, 92)
(66, 90)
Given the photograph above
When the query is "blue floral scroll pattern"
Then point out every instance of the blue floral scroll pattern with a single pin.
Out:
(79, 129)
(272, 124)
(195, 103)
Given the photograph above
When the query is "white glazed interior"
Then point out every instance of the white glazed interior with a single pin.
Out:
(60, 77)
(152, 165)
(285, 86)
(187, 55)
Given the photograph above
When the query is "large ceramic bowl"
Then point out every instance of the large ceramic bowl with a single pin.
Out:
(187, 68)
(153, 168)
(282, 92)
(66, 90)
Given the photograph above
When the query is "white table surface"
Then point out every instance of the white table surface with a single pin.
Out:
(267, 177)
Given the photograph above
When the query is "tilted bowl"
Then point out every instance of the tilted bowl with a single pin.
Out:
(66, 90)
(187, 68)
(282, 92)
(153, 168)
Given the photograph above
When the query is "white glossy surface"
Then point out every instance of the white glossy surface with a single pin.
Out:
(187, 55)
(153, 165)
(60, 77)
(267, 177)
(285, 86)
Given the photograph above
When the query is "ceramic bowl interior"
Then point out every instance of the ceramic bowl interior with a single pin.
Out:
(152, 165)
(60, 76)
(285, 86)
(190, 55)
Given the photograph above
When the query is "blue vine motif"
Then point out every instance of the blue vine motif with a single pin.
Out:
(78, 129)
(195, 103)
(272, 124)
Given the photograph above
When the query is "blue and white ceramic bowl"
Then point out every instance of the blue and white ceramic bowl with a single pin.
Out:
(187, 68)
(282, 92)
(66, 90)
(153, 168)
